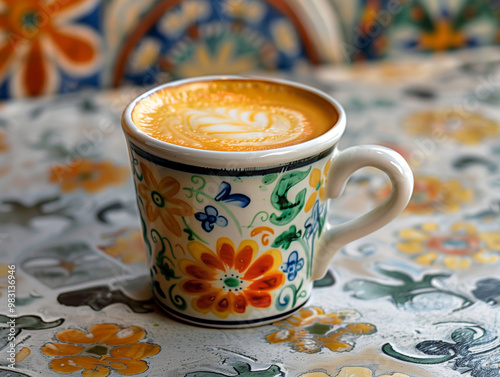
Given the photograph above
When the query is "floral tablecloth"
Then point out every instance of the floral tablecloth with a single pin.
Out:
(417, 298)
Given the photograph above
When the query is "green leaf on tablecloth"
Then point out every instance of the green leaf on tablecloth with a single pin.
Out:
(242, 370)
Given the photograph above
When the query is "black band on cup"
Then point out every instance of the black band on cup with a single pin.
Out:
(245, 172)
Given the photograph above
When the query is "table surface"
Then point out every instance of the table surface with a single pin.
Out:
(419, 297)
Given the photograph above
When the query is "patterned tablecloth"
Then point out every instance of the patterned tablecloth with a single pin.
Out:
(418, 298)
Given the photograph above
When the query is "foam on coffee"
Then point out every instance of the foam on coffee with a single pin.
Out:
(234, 115)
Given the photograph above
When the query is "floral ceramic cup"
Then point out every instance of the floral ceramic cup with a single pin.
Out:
(236, 239)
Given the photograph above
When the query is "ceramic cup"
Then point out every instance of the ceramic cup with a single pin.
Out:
(236, 239)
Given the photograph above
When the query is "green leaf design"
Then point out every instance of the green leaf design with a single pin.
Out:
(270, 178)
(404, 292)
(285, 239)
(389, 350)
(242, 370)
(279, 197)
(163, 262)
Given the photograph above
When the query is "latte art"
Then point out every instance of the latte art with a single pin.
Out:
(232, 116)
(237, 126)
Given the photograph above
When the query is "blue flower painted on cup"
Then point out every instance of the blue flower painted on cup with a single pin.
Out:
(224, 195)
(293, 265)
(312, 224)
(210, 218)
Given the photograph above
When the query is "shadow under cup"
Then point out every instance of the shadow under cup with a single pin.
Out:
(233, 239)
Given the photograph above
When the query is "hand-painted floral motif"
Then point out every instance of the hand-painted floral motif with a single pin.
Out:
(210, 218)
(225, 195)
(160, 201)
(4, 273)
(91, 176)
(388, 29)
(471, 347)
(252, 11)
(311, 330)
(293, 265)
(128, 246)
(22, 354)
(243, 370)
(317, 180)
(456, 248)
(23, 322)
(101, 297)
(4, 146)
(433, 194)
(463, 126)
(39, 37)
(405, 290)
(354, 372)
(104, 348)
(488, 290)
(229, 280)
(279, 198)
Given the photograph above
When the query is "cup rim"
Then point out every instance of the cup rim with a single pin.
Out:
(237, 159)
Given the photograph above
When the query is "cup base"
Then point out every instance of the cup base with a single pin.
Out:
(223, 324)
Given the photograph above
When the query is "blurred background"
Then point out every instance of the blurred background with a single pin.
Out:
(60, 46)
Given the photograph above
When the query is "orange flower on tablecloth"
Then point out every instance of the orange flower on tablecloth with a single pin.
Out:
(463, 126)
(36, 36)
(230, 280)
(433, 194)
(4, 273)
(160, 200)
(317, 180)
(92, 176)
(456, 249)
(4, 147)
(311, 329)
(104, 348)
(128, 246)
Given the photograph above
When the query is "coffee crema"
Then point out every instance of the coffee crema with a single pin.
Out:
(234, 115)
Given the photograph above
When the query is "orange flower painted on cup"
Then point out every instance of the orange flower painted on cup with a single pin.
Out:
(433, 194)
(311, 329)
(36, 36)
(456, 249)
(104, 348)
(91, 176)
(317, 180)
(463, 126)
(160, 201)
(231, 279)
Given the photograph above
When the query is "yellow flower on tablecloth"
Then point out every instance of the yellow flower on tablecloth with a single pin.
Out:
(91, 176)
(128, 246)
(311, 330)
(36, 37)
(160, 202)
(103, 348)
(463, 126)
(317, 180)
(353, 372)
(230, 280)
(433, 194)
(457, 248)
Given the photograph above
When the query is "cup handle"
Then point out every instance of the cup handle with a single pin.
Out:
(344, 164)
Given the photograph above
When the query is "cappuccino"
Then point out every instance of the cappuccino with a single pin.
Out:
(234, 115)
